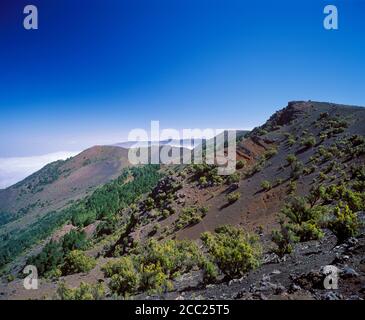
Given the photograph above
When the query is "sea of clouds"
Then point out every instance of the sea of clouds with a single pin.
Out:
(13, 170)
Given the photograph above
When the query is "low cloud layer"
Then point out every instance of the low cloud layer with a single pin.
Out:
(13, 170)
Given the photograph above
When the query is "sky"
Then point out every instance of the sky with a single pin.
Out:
(96, 69)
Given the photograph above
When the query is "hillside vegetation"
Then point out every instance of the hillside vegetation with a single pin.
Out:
(58, 184)
(102, 206)
(295, 204)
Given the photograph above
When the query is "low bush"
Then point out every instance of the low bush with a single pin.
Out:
(203, 182)
(346, 223)
(270, 153)
(206, 175)
(284, 240)
(240, 164)
(299, 221)
(292, 188)
(84, 292)
(77, 261)
(290, 139)
(307, 231)
(232, 250)
(309, 142)
(233, 197)
(210, 271)
(152, 266)
(75, 240)
(49, 259)
(107, 227)
(297, 170)
(266, 185)
(355, 200)
(298, 211)
(125, 278)
(190, 216)
(291, 158)
(233, 178)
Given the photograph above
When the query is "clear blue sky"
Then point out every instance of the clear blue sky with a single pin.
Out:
(96, 69)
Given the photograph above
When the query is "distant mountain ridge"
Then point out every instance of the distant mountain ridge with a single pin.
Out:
(182, 143)
(60, 182)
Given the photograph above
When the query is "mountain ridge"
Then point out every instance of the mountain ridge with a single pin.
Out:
(300, 149)
(53, 186)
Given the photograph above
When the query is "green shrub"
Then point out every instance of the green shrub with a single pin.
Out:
(284, 239)
(153, 279)
(210, 271)
(233, 251)
(307, 231)
(291, 158)
(182, 174)
(304, 222)
(49, 259)
(299, 211)
(323, 115)
(204, 210)
(322, 176)
(84, 218)
(75, 240)
(355, 200)
(313, 159)
(107, 227)
(345, 224)
(149, 203)
(270, 153)
(261, 132)
(266, 185)
(233, 178)
(233, 197)
(125, 279)
(292, 188)
(358, 172)
(10, 278)
(290, 139)
(297, 170)
(209, 172)
(190, 216)
(203, 182)
(77, 261)
(323, 136)
(309, 170)
(55, 273)
(257, 167)
(309, 142)
(152, 266)
(165, 213)
(84, 292)
(174, 257)
(240, 164)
